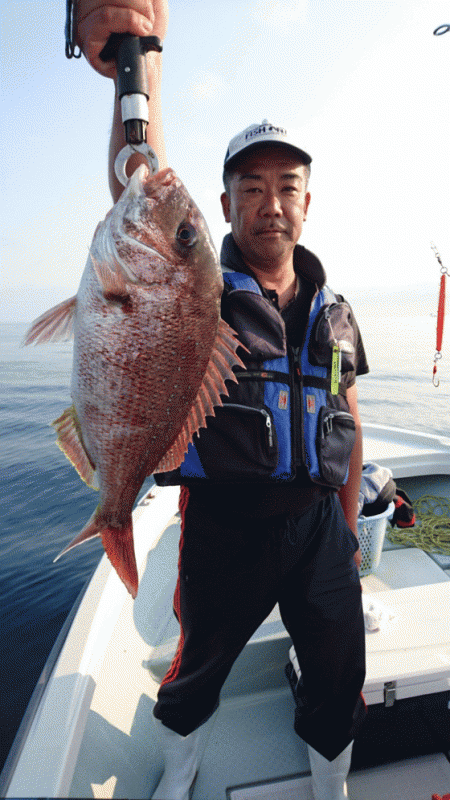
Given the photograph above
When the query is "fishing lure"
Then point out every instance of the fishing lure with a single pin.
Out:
(440, 315)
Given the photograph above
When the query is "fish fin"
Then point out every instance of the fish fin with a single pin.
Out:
(220, 368)
(90, 530)
(67, 426)
(56, 325)
(119, 547)
(113, 282)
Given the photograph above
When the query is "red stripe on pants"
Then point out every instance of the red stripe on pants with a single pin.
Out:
(175, 666)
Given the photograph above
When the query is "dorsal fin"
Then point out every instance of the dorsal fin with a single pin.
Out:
(56, 325)
(67, 426)
(223, 359)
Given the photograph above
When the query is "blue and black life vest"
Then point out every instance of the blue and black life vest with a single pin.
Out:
(288, 409)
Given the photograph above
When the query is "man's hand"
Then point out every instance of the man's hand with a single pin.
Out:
(98, 19)
(358, 558)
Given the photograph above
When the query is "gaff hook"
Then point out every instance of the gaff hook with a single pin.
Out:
(132, 85)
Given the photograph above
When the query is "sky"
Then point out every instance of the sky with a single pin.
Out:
(363, 84)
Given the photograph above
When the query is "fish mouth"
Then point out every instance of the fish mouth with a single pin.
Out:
(112, 238)
(142, 187)
(143, 183)
(135, 185)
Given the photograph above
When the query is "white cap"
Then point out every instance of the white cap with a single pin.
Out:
(266, 133)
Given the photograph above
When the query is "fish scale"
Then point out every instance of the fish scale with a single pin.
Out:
(151, 354)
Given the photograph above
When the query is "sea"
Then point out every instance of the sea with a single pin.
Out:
(44, 504)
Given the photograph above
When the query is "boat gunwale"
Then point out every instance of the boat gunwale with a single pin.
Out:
(39, 690)
(431, 454)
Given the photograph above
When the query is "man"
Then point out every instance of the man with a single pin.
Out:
(272, 519)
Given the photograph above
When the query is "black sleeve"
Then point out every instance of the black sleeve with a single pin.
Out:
(362, 367)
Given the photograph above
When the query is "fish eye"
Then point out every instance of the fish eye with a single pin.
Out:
(186, 234)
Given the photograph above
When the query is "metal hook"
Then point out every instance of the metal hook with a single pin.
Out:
(437, 357)
(134, 94)
(444, 270)
(441, 29)
(126, 152)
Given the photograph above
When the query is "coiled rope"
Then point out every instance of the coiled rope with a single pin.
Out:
(432, 529)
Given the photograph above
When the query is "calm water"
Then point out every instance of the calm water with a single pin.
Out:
(44, 503)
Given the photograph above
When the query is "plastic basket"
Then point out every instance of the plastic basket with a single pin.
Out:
(371, 532)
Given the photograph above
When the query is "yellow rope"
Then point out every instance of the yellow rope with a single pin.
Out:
(432, 529)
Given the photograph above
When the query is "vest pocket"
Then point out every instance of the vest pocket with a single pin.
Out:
(333, 325)
(240, 443)
(335, 440)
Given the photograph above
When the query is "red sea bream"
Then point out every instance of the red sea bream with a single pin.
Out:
(151, 354)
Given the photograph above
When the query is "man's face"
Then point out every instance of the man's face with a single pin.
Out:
(267, 205)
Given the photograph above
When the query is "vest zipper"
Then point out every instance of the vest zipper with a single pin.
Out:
(267, 419)
(296, 410)
(299, 374)
(301, 413)
(343, 417)
(269, 428)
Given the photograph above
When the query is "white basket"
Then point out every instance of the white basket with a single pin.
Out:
(371, 532)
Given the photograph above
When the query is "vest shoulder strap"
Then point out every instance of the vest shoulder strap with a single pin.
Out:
(240, 281)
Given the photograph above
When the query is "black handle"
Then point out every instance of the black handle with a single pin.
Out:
(132, 83)
(129, 52)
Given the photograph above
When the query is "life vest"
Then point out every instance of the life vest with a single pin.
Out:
(288, 408)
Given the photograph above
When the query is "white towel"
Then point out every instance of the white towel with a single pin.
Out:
(376, 614)
(373, 479)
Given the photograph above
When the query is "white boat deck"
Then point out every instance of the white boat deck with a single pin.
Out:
(97, 721)
(250, 742)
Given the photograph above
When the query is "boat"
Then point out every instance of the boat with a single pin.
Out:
(88, 730)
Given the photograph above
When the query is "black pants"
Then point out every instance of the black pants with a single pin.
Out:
(232, 572)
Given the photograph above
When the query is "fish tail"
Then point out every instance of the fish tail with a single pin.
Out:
(119, 547)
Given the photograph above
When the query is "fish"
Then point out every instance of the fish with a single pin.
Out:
(151, 353)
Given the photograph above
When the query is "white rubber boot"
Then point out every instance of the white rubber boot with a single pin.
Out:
(181, 761)
(329, 777)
